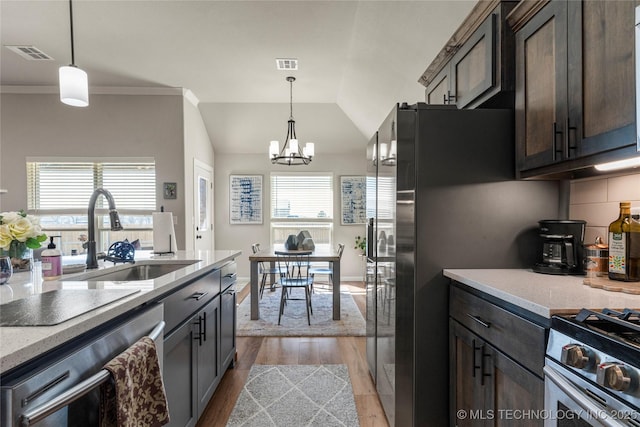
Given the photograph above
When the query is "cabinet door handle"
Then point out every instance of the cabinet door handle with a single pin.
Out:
(570, 128)
(198, 295)
(556, 132)
(483, 374)
(473, 359)
(198, 336)
(479, 320)
(204, 328)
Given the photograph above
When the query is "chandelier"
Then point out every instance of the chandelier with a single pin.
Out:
(291, 152)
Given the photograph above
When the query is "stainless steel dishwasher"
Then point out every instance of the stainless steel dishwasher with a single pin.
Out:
(62, 387)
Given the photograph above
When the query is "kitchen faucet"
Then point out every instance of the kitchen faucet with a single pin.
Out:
(92, 261)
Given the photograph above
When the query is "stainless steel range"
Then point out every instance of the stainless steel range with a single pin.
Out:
(592, 369)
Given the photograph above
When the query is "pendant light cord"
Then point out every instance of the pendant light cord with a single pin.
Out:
(73, 61)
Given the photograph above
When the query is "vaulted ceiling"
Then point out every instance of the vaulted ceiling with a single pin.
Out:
(356, 58)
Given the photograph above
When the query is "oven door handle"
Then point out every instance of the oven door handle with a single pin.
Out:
(76, 392)
(579, 398)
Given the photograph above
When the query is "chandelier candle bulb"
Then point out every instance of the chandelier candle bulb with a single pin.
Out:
(293, 146)
(274, 149)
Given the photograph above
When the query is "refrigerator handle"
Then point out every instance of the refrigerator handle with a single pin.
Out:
(370, 239)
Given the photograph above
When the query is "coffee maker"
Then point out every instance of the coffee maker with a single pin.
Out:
(561, 247)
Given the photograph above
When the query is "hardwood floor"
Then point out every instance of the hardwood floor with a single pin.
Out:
(300, 351)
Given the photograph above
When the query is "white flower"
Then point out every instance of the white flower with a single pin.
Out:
(20, 227)
(5, 237)
(9, 217)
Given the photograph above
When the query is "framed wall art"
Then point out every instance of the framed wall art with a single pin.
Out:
(170, 190)
(353, 191)
(245, 199)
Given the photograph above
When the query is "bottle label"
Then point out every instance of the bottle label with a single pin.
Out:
(51, 266)
(617, 253)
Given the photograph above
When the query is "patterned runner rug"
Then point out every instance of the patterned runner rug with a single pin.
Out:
(296, 395)
(294, 319)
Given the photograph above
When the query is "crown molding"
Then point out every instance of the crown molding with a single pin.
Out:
(191, 97)
(99, 90)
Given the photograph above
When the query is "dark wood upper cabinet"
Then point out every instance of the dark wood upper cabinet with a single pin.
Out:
(603, 112)
(541, 88)
(475, 68)
(439, 90)
(575, 103)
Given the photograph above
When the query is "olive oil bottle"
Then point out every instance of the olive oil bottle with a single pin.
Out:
(624, 246)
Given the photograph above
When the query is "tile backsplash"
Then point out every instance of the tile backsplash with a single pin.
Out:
(597, 201)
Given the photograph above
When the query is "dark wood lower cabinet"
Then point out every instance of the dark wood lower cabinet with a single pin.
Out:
(488, 387)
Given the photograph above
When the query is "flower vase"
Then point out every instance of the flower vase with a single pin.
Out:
(5, 269)
(21, 256)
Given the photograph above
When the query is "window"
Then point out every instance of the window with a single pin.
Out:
(59, 193)
(302, 202)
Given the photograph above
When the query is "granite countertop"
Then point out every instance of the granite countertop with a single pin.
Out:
(542, 294)
(20, 344)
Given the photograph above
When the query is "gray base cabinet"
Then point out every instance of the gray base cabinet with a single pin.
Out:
(207, 340)
(228, 327)
(199, 346)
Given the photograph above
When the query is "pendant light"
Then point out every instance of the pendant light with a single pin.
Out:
(74, 85)
(291, 153)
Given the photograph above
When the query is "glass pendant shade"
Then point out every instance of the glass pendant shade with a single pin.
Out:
(273, 149)
(309, 150)
(74, 86)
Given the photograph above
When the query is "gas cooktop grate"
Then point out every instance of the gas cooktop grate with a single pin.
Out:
(623, 324)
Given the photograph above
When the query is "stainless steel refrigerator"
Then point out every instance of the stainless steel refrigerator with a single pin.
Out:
(440, 194)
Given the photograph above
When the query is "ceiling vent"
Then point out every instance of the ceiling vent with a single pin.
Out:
(31, 53)
(286, 64)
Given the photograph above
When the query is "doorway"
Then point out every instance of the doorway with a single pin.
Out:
(203, 206)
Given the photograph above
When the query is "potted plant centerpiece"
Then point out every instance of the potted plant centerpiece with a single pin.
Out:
(20, 233)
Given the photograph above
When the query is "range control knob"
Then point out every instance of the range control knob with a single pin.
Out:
(614, 376)
(577, 356)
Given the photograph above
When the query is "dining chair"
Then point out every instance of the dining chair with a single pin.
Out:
(299, 263)
(325, 269)
(266, 271)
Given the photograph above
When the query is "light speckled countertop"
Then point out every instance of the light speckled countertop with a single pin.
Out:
(20, 344)
(542, 294)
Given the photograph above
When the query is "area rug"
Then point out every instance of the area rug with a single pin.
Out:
(294, 320)
(296, 395)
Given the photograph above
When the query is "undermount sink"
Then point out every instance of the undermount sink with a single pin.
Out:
(133, 272)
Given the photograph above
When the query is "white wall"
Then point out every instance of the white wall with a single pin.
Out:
(111, 126)
(196, 146)
(242, 236)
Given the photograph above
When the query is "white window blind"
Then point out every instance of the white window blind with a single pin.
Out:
(63, 186)
(303, 196)
(381, 197)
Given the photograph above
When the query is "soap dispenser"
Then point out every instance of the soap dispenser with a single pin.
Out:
(51, 262)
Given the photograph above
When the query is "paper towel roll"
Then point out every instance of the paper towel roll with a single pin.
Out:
(164, 236)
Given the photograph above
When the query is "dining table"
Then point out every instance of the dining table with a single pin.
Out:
(318, 255)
